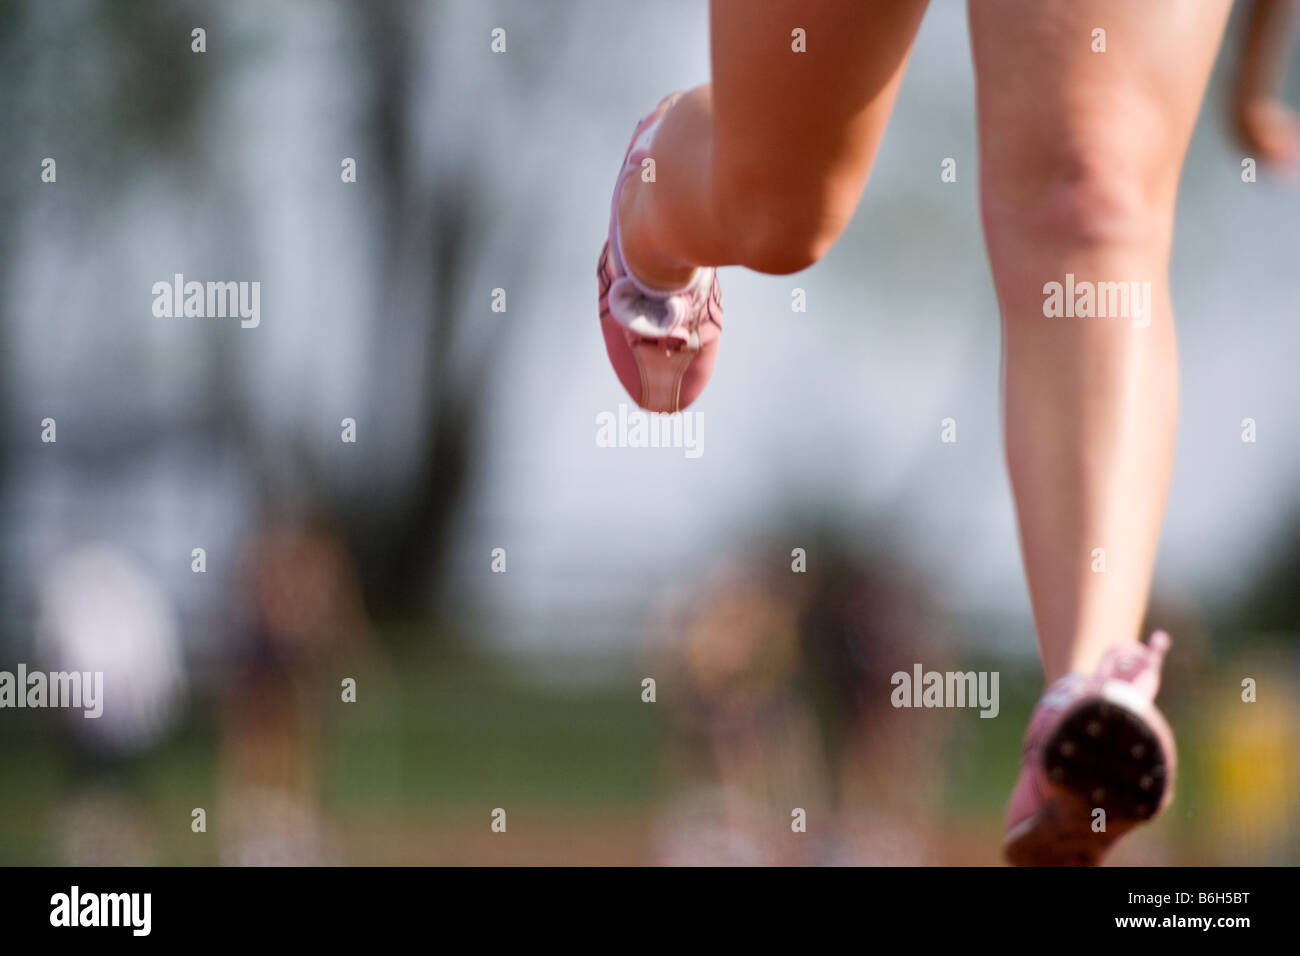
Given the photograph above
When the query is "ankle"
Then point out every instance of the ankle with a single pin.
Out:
(640, 254)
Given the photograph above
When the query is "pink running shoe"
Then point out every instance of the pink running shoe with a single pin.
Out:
(1092, 742)
(662, 343)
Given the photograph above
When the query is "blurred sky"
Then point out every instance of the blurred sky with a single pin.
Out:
(832, 412)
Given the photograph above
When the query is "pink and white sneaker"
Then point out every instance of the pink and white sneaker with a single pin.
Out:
(662, 343)
(1093, 742)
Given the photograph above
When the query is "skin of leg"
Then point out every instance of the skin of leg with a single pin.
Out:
(1080, 156)
(764, 166)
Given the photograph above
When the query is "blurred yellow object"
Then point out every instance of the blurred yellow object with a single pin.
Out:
(1255, 768)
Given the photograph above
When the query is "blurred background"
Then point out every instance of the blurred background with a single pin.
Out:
(522, 689)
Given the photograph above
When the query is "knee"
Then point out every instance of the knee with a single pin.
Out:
(779, 227)
(1091, 193)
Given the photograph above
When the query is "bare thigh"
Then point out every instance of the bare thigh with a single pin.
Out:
(1086, 140)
